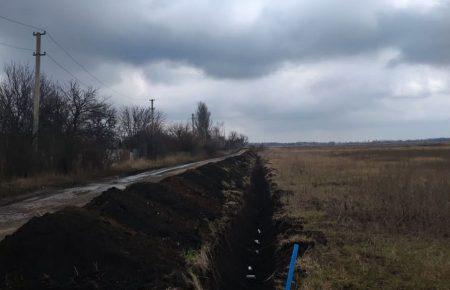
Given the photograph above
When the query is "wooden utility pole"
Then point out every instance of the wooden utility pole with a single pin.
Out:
(152, 112)
(152, 108)
(193, 123)
(152, 128)
(37, 88)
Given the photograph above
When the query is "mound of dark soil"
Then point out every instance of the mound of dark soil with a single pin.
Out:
(77, 248)
(131, 239)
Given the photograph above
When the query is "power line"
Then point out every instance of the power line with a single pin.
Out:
(14, 46)
(66, 70)
(21, 23)
(68, 54)
(73, 59)
(83, 67)
(51, 58)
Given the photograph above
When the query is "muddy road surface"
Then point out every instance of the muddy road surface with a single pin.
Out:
(15, 214)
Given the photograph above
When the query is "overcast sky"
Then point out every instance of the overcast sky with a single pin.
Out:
(275, 70)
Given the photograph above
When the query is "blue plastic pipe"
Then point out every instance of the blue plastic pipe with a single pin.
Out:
(290, 276)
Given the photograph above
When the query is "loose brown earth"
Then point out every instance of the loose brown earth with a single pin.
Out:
(195, 230)
(16, 211)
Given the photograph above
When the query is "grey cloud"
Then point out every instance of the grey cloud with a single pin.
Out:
(186, 51)
(421, 37)
(98, 31)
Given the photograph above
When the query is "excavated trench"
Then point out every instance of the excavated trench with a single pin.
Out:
(143, 237)
(245, 258)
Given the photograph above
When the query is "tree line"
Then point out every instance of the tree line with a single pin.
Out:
(79, 130)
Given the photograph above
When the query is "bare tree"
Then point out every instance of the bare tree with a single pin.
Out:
(236, 140)
(16, 120)
(133, 120)
(77, 130)
(141, 129)
(155, 135)
(202, 122)
(52, 125)
(90, 128)
(183, 136)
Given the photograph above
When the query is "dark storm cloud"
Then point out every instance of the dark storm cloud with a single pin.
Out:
(134, 33)
(421, 37)
(276, 70)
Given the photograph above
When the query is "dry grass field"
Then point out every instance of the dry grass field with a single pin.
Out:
(18, 186)
(385, 214)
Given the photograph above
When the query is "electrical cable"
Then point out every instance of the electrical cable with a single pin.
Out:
(14, 46)
(66, 52)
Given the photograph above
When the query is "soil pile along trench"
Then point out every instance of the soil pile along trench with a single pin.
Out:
(18, 210)
(202, 229)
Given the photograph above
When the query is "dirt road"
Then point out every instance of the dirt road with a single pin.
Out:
(14, 215)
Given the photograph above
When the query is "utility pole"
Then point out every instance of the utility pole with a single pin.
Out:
(152, 128)
(37, 88)
(193, 123)
(152, 112)
(152, 108)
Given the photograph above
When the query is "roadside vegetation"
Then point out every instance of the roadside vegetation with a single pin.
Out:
(16, 187)
(383, 214)
(82, 135)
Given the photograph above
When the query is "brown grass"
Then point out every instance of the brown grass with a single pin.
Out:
(20, 186)
(144, 164)
(385, 212)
